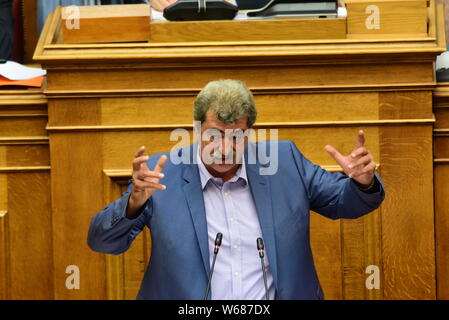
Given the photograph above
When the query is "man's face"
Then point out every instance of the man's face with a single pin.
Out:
(222, 145)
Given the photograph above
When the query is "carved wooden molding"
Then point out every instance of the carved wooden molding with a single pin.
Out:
(44, 140)
(24, 169)
(441, 160)
(113, 179)
(52, 94)
(304, 124)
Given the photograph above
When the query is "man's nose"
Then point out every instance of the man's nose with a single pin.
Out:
(225, 146)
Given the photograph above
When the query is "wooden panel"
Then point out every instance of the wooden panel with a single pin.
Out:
(405, 17)
(441, 146)
(10, 127)
(407, 170)
(442, 118)
(77, 111)
(177, 110)
(325, 238)
(27, 155)
(269, 77)
(26, 258)
(361, 240)
(441, 178)
(405, 105)
(4, 239)
(248, 30)
(77, 193)
(30, 243)
(353, 260)
(408, 221)
(100, 24)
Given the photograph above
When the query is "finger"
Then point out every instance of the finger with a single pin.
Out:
(360, 139)
(165, 3)
(140, 152)
(360, 161)
(370, 167)
(160, 164)
(335, 154)
(149, 185)
(138, 161)
(362, 151)
(149, 174)
(159, 5)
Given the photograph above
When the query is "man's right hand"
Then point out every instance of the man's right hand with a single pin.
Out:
(144, 182)
(160, 5)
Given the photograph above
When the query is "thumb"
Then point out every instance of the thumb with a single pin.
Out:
(335, 154)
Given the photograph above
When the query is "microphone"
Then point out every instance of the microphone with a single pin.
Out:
(261, 249)
(218, 239)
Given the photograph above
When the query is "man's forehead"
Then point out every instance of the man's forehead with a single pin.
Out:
(213, 122)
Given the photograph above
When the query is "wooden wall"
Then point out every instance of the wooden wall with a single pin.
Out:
(92, 142)
(441, 178)
(26, 249)
(94, 138)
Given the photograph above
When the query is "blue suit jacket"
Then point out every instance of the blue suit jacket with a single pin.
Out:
(179, 264)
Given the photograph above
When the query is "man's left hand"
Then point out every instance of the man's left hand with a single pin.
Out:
(359, 165)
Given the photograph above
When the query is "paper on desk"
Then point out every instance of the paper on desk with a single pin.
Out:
(15, 71)
(34, 82)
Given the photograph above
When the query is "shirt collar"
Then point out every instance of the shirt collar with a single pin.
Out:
(205, 175)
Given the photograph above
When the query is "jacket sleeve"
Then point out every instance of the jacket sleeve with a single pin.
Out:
(334, 194)
(111, 231)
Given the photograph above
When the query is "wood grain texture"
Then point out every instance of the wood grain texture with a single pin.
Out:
(305, 50)
(4, 239)
(247, 30)
(395, 17)
(325, 239)
(277, 76)
(30, 243)
(26, 258)
(441, 178)
(102, 24)
(77, 193)
(408, 243)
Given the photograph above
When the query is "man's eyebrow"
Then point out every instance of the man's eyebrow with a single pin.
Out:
(238, 130)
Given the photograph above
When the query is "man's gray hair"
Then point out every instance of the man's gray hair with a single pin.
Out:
(229, 99)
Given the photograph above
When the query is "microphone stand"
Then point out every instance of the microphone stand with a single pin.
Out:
(261, 249)
(218, 239)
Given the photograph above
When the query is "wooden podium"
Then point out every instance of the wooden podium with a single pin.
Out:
(105, 100)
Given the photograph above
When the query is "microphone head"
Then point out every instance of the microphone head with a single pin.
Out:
(218, 239)
(260, 245)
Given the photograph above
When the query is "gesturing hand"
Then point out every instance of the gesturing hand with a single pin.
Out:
(144, 181)
(160, 5)
(359, 165)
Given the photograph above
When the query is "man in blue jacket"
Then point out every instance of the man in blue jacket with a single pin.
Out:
(244, 190)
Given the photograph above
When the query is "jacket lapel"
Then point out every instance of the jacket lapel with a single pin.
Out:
(194, 195)
(260, 189)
